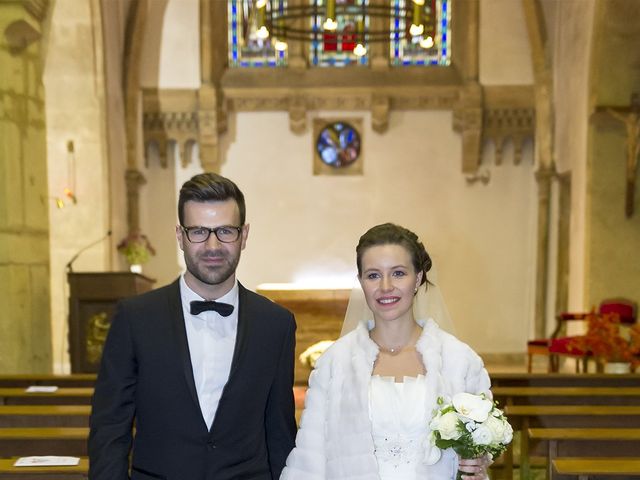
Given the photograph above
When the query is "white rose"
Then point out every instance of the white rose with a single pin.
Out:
(497, 428)
(508, 433)
(473, 406)
(481, 435)
(447, 425)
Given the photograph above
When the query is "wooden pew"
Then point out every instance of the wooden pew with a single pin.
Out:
(584, 468)
(63, 396)
(26, 380)
(567, 395)
(75, 472)
(586, 442)
(44, 415)
(523, 417)
(43, 441)
(564, 380)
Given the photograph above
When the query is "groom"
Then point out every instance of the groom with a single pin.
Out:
(204, 366)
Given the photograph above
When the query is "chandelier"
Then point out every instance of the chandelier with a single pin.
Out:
(355, 23)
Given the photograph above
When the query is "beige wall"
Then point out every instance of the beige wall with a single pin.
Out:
(613, 267)
(505, 55)
(171, 57)
(75, 112)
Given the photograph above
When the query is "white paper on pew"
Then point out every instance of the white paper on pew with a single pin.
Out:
(46, 461)
(41, 389)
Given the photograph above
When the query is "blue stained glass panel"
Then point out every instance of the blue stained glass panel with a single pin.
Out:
(246, 48)
(406, 50)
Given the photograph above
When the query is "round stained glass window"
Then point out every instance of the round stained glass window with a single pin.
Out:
(338, 144)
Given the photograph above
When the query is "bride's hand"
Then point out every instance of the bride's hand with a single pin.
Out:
(474, 468)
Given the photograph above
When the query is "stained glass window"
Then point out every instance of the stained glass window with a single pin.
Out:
(432, 46)
(417, 32)
(248, 46)
(336, 48)
(338, 144)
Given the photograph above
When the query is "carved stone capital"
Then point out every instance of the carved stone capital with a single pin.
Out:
(297, 114)
(380, 113)
(544, 174)
(134, 179)
(467, 119)
(26, 28)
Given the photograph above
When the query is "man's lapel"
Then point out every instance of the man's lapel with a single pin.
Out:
(180, 336)
(242, 334)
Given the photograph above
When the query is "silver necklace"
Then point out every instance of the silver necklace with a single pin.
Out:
(395, 350)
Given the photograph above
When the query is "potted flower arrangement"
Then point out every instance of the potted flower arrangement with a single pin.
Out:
(610, 342)
(136, 250)
(310, 356)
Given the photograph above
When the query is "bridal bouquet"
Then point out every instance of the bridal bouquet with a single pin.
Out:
(472, 425)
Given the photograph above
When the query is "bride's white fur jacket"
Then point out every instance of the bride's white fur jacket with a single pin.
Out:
(335, 439)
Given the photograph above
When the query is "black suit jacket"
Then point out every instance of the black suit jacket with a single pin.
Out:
(146, 374)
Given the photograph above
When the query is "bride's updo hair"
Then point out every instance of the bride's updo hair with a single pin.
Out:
(392, 234)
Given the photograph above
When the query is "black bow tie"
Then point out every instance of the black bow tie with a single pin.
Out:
(198, 306)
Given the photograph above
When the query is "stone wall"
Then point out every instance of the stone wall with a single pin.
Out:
(25, 329)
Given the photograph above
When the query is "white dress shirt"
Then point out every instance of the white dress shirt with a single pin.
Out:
(212, 339)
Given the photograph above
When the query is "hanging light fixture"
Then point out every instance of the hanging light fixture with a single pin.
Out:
(417, 27)
(261, 7)
(360, 50)
(330, 23)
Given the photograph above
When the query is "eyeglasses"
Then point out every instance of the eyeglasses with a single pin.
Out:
(226, 233)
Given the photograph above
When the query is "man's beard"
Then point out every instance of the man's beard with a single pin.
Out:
(212, 275)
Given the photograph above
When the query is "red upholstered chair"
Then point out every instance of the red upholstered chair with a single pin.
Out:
(627, 309)
(542, 346)
(559, 345)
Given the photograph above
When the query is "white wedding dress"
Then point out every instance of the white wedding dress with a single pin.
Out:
(399, 420)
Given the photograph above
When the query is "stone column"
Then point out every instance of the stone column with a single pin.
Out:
(25, 323)
(544, 176)
(543, 76)
(213, 60)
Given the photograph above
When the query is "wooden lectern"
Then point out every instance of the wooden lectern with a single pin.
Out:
(92, 301)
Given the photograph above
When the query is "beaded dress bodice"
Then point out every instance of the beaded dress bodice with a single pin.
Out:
(399, 422)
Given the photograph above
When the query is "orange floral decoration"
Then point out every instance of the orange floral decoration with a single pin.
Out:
(608, 340)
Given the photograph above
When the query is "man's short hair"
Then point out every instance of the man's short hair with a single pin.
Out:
(207, 187)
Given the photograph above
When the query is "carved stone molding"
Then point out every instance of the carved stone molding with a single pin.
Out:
(174, 118)
(509, 114)
(170, 121)
(500, 124)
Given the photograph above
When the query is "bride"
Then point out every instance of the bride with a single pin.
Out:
(373, 392)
